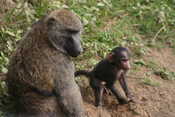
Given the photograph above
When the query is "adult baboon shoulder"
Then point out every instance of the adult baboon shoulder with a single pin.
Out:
(40, 74)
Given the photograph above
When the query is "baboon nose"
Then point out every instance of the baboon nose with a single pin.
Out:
(77, 53)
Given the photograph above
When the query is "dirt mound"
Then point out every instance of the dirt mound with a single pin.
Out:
(165, 57)
(152, 101)
(92, 111)
(111, 108)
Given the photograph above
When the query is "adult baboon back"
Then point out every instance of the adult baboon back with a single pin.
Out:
(40, 74)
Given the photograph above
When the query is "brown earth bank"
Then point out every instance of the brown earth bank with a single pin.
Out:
(152, 101)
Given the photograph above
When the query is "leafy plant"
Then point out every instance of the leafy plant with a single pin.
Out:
(165, 74)
(150, 81)
(139, 62)
(3, 62)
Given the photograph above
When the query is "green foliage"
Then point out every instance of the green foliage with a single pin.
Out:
(131, 18)
(152, 15)
(162, 72)
(165, 74)
(150, 81)
(140, 62)
(3, 62)
(3, 93)
(3, 89)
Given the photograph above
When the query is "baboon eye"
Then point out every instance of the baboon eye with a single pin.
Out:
(69, 39)
(72, 31)
(124, 60)
(50, 21)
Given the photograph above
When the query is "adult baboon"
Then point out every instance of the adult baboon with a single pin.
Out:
(40, 74)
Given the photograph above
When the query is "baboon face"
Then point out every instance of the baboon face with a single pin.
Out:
(124, 61)
(72, 44)
(64, 29)
(120, 57)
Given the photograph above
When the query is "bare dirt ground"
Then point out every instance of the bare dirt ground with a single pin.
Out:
(152, 101)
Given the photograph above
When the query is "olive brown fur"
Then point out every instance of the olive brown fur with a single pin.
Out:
(40, 75)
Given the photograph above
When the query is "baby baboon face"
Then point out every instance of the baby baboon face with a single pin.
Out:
(124, 61)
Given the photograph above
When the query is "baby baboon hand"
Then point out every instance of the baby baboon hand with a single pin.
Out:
(131, 98)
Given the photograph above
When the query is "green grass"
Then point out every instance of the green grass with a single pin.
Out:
(155, 69)
(138, 24)
(149, 81)
(165, 74)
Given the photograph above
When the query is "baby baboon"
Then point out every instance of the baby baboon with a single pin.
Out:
(106, 72)
(41, 74)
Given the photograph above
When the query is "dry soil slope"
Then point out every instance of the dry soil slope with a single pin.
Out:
(155, 101)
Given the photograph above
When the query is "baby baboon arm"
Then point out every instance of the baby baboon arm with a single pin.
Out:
(124, 84)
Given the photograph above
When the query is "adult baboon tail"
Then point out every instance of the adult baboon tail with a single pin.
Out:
(83, 72)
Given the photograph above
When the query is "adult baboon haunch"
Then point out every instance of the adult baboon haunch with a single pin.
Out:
(40, 74)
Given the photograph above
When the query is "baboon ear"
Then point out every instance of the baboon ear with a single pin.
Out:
(110, 57)
(50, 22)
